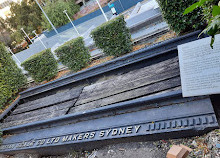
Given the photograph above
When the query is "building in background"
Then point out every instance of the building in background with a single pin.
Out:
(5, 7)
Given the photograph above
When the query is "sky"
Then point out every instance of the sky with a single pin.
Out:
(6, 10)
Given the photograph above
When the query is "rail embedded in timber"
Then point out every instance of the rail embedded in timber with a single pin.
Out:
(159, 110)
(168, 115)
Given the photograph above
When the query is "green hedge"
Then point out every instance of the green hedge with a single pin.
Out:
(11, 77)
(113, 37)
(41, 66)
(5, 93)
(173, 10)
(74, 54)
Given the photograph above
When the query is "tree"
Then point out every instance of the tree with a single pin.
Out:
(4, 33)
(17, 36)
(2, 24)
(25, 15)
(211, 13)
(54, 10)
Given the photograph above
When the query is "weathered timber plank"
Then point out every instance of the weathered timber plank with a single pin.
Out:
(33, 119)
(48, 101)
(168, 102)
(39, 112)
(43, 116)
(132, 75)
(129, 81)
(130, 86)
(129, 95)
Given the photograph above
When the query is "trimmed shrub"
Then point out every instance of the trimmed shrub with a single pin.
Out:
(113, 37)
(41, 66)
(5, 93)
(173, 10)
(73, 54)
(11, 77)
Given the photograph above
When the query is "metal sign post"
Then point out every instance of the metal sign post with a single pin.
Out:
(26, 35)
(39, 39)
(47, 17)
(102, 10)
(65, 11)
(14, 56)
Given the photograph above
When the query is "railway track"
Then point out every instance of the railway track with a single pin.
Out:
(134, 97)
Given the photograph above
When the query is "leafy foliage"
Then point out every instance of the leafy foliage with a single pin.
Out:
(25, 15)
(41, 66)
(17, 36)
(54, 10)
(113, 37)
(74, 54)
(207, 9)
(11, 77)
(2, 24)
(173, 13)
(213, 20)
(4, 33)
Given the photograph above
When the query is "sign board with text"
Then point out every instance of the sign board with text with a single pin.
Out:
(200, 67)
